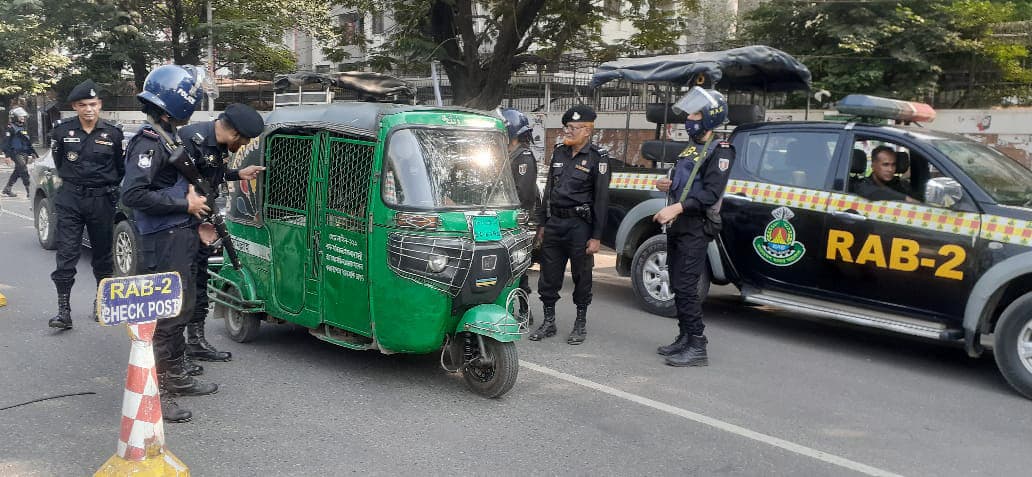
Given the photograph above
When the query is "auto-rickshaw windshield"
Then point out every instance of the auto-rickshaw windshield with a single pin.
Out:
(434, 168)
(1004, 179)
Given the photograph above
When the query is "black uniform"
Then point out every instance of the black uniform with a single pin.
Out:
(18, 148)
(896, 189)
(576, 203)
(91, 167)
(686, 242)
(524, 174)
(209, 156)
(156, 192)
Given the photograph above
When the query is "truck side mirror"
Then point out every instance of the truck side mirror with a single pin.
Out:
(943, 192)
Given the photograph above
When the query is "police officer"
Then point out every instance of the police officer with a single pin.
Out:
(571, 220)
(695, 188)
(18, 148)
(167, 211)
(524, 167)
(87, 154)
(209, 145)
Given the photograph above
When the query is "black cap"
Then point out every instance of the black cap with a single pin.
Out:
(580, 113)
(85, 90)
(244, 119)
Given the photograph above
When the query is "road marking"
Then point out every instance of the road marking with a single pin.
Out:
(26, 217)
(715, 423)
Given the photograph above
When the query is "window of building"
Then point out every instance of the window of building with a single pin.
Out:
(377, 23)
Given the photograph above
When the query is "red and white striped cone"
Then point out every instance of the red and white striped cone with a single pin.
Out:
(141, 443)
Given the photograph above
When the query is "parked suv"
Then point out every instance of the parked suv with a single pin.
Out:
(953, 265)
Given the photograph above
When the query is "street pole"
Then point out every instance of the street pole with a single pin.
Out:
(211, 62)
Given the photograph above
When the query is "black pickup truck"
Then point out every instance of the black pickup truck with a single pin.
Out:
(953, 263)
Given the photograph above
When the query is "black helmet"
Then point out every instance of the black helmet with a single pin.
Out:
(709, 102)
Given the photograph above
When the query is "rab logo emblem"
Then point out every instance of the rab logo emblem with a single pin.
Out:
(523, 169)
(723, 164)
(777, 246)
(603, 167)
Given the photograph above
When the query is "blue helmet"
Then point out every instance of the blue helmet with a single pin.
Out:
(709, 102)
(177, 90)
(516, 123)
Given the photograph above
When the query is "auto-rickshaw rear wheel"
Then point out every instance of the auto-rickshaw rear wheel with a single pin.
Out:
(242, 327)
(495, 375)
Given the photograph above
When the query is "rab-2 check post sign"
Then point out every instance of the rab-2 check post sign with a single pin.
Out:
(139, 298)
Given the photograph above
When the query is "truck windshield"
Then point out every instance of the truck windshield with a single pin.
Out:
(434, 168)
(1004, 179)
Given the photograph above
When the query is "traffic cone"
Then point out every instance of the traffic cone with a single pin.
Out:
(141, 444)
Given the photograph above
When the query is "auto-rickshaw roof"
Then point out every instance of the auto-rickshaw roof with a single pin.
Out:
(358, 118)
(749, 68)
(364, 82)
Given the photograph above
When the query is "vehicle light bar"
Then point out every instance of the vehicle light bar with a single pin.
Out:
(876, 107)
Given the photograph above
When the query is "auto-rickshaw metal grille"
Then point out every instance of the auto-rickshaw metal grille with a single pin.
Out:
(349, 169)
(520, 241)
(409, 256)
(290, 159)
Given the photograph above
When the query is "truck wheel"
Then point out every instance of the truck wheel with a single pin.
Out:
(242, 327)
(498, 378)
(1013, 344)
(126, 252)
(46, 224)
(651, 280)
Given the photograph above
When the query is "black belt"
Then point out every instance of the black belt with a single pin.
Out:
(92, 190)
(581, 211)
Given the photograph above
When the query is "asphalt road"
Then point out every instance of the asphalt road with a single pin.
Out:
(782, 396)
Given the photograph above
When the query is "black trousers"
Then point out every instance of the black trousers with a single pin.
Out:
(168, 251)
(565, 240)
(686, 255)
(74, 208)
(21, 169)
(201, 305)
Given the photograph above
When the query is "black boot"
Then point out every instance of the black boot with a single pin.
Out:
(178, 383)
(8, 193)
(693, 355)
(547, 328)
(192, 368)
(198, 348)
(170, 410)
(579, 333)
(679, 344)
(63, 319)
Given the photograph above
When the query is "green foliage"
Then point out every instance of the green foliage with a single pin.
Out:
(29, 62)
(910, 50)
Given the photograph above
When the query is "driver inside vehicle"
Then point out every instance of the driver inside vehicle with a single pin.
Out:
(883, 184)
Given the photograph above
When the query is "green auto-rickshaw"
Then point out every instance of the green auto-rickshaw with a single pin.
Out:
(382, 226)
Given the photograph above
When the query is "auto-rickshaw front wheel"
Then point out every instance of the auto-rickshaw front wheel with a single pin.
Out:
(242, 327)
(493, 372)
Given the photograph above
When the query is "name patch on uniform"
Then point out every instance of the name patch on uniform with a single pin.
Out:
(523, 169)
(105, 143)
(582, 168)
(144, 161)
(557, 164)
(71, 139)
(723, 164)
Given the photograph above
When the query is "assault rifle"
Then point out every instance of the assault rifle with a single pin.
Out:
(188, 169)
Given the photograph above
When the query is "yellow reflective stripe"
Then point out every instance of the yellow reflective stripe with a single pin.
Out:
(780, 195)
(634, 181)
(1005, 229)
(910, 215)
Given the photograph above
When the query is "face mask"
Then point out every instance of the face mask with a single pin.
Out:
(693, 127)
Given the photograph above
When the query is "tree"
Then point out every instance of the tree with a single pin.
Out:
(894, 49)
(479, 44)
(104, 37)
(29, 62)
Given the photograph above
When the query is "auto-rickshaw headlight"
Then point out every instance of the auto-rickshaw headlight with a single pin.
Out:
(519, 256)
(437, 263)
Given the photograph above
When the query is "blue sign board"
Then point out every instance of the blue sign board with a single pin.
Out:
(139, 298)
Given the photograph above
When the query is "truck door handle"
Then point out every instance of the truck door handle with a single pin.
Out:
(739, 196)
(849, 214)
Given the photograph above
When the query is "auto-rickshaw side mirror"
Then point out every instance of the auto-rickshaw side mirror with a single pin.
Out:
(943, 192)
